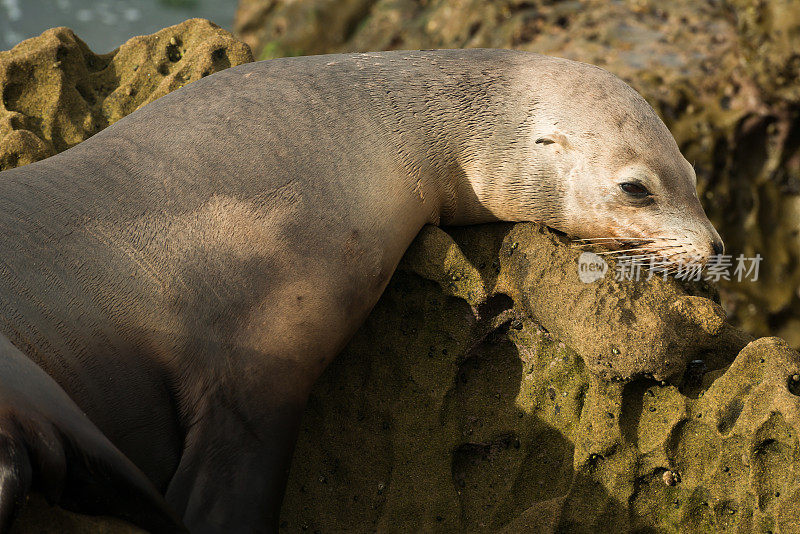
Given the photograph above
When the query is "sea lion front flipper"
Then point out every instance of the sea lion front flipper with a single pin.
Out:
(48, 444)
(236, 484)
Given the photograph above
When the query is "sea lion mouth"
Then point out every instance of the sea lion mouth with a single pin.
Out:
(669, 252)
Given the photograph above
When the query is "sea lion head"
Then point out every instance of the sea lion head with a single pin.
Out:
(618, 171)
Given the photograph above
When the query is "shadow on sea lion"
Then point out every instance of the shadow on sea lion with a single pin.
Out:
(171, 288)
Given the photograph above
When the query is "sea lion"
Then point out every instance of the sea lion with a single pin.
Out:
(171, 288)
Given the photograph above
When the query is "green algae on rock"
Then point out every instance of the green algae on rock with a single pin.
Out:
(449, 413)
(56, 92)
(622, 329)
(769, 33)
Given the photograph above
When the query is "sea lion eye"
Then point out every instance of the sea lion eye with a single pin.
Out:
(634, 190)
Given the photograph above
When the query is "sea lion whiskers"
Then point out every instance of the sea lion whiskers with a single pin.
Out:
(637, 249)
(623, 238)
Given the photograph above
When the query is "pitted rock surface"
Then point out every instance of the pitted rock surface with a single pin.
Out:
(56, 92)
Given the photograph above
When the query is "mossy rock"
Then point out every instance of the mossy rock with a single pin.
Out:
(454, 412)
(56, 92)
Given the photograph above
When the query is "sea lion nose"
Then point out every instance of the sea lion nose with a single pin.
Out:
(718, 247)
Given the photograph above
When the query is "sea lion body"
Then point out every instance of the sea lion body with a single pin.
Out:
(186, 274)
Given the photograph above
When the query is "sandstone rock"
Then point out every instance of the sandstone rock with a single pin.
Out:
(452, 414)
(56, 92)
(769, 33)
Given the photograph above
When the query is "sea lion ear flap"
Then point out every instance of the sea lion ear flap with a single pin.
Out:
(553, 138)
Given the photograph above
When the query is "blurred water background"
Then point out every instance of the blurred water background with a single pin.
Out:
(104, 24)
